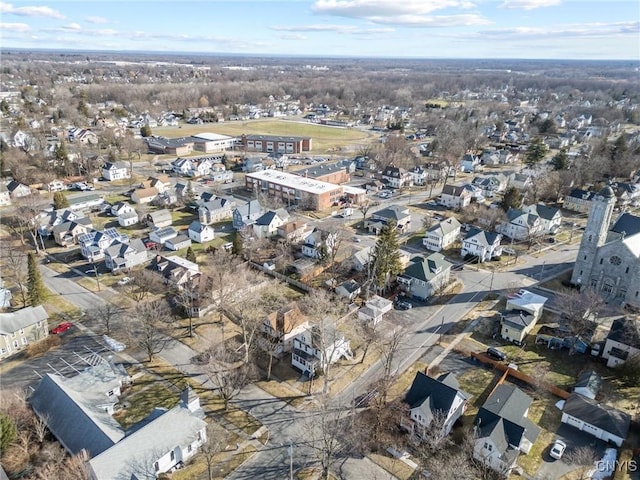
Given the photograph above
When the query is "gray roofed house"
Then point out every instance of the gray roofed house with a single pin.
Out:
(159, 219)
(123, 255)
(515, 325)
(579, 200)
(520, 225)
(78, 418)
(503, 429)
(199, 232)
(349, 289)
(425, 276)
(626, 224)
(588, 384)
(78, 413)
(267, 225)
(161, 235)
(247, 214)
(442, 234)
(594, 418)
(66, 233)
(21, 328)
(429, 399)
(482, 244)
(213, 209)
(550, 217)
(178, 242)
(623, 341)
(397, 214)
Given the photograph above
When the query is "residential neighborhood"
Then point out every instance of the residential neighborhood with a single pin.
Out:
(259, 283)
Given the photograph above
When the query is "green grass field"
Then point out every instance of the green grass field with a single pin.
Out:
(325, 139)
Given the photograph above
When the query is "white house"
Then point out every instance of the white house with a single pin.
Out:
(588, 384)
(129, 218)
(161, 235)
(120, 208)
(319, 346)
(433, 399)
(503, 430)
(56, 186)
(199, 232)
(94, 243)
(396, 177)
(349, 289)
(456, 197)
(481, 244)
(520, 225)
(5, 196)
(178, 242)
(399, 215)
(522, 311)
(77, 411)
(267, 225)
(17, 189)
(550, 217)
(596, 419)
(215, 209)
(441, 235)
(144, 195)
(159, 219)
(623, 342)
(115, 171)
(374, 309)
(319, 243)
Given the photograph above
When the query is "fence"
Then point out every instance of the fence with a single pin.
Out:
(558, 392)
(296, 283)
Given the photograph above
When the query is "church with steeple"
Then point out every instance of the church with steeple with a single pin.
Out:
(609, 257)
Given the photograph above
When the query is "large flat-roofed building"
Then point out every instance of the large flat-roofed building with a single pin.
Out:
(202, 142)
(271, 143)
(212, 142)
(294, 189)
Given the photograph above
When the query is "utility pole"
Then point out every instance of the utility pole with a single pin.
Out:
(491, 284)
(290, 460)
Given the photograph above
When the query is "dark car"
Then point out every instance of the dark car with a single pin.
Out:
(63, 327)
(497, 354)
(403, 305)
(458, 267)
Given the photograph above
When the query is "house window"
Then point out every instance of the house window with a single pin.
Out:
(24, 341)
(156, 466)
(172, 455)
(189, 448)
(626, 270)
(15, 344)
(200, 436)
(601, 260)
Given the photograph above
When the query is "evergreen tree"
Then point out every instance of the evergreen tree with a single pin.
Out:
(4, 106)
(189, 194)
(35, 288)
(237, 247)
(535, 152)
(60, 153)
(386, 256)
(560, 160)
(8, 431)
(512, 199)
(60, 201)
(191, 255)
(145, 131)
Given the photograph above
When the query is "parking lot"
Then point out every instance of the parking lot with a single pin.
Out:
(78, 351)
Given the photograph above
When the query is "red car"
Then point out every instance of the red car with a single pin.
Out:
(63, 327)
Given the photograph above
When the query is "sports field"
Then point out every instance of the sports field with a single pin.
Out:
(325, 139)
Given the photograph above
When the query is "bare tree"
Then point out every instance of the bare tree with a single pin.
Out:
(325, 429)
(228, 374)
(248, 315)
(364, 208)
(581, 312)
(389, 347)
(107, 314)
(217, 442)
(15, 262)
(226, 277)
(144, 282)
(584, 457)
(149, 328)
(368, 334)
(191, 296)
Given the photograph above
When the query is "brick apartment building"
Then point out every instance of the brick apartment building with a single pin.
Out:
(294, 189)
(269, 143)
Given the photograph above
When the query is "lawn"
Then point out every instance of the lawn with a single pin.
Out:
(394, 466)
(324, 138)
(401, 386)
(182, 217)
(478, 382)
(282, 391)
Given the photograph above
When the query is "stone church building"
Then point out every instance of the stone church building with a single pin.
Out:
(609, 257)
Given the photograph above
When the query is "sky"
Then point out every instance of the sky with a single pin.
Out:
(527, 29)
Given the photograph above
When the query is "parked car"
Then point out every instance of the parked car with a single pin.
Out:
(125, 280)
(458, 267)
(497, 354)
(63, 327)
(557, 449)
(91, 271)
(149, 244)
(403, 305)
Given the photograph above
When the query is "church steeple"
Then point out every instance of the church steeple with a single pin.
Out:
(595, 235)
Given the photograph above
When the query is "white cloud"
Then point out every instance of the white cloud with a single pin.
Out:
(72, 26)
(529, 4)
(351, 29)
(292, 36)
(384, 8)
(97, 20)
(595, 30)
(15, 27)
(432, 21)
(30, 11)
(406, 13)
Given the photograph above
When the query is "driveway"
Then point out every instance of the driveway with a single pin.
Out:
(552, 469)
